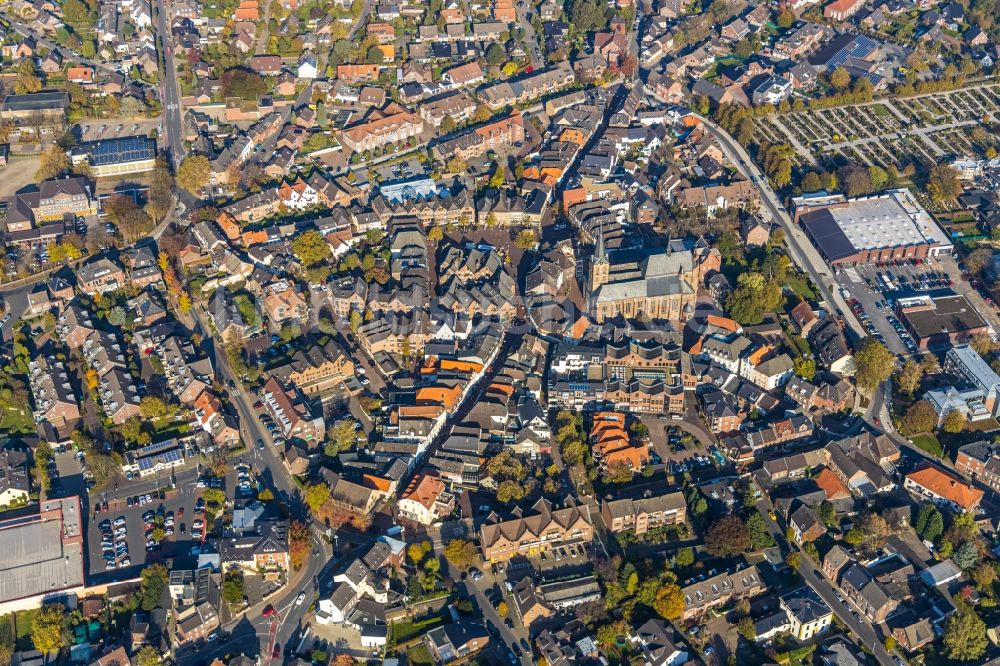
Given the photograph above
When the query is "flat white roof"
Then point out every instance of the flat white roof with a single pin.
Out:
(891, 219)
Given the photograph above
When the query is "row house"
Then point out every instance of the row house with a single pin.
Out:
(701, 596)
(55, 403)
(538, 529)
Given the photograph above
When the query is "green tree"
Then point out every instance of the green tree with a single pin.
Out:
(965, 636)
(943, 184)
(510, 491)
(954, 422)
(669, 602)
(311, 248)
(785, 18)
(193, 173)
(374, 56)
(526, 239)
(154, 582)
(233, 590)
(152, 407)
(853, 537)
(935, 527)
(873, 363)
(684, 557)
(827, 513)
(810, 183)
(805, 367)
(343, 434)
(50, 628)
(53, 161)
(243, 83)
(495, 54)
(759, 536)
(317, 496)
(909, 376)
(840, 79)
(588, 15)
(966, 556)
(461, 554)
(148, 656)
(920, 417)
(793, 560)
(746, 628)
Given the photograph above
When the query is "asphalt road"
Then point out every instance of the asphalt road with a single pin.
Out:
(271, 471)
(862, 631)
(802, 253)
(169, 91)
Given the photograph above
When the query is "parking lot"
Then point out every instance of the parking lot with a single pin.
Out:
(679, 450)
(872, 291)
(133, 518)
(110, 129)
(403, 169)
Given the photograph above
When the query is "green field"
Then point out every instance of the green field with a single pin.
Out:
(23, 622)
(419, 655)
(800, 285)
(14, 422)
(404, 631)
(928, 444)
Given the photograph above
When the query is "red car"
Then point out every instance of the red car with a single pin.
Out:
(270, 612)
(276, 653)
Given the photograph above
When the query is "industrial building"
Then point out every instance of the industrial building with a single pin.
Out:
(885, 227)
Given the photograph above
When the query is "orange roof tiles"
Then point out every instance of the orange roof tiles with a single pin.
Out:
(832, 485)
(460, 366)
(724, 322)
(443, 395)
(946, 486)
(424, 489)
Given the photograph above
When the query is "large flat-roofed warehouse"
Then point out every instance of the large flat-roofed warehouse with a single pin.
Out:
(941, 320)
(885, 227)
(41, 555)
(117, 157)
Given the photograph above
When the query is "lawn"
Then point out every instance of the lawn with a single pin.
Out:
(800, 285)
(929, 444)
(418, 655)
(23, 623)
(16, 422)
(404, 631)
(7, 630)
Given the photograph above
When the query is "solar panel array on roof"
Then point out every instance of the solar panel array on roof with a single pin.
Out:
(166, 457)
(861, 47)
(121, 150)
(827, 235)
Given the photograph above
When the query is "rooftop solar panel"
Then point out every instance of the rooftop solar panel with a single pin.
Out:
(121, 150)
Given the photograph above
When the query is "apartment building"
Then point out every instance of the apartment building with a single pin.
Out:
(316, 370)
(642, 515)
(380, 127)
(536, 530)
(291, 414)
(56, 405)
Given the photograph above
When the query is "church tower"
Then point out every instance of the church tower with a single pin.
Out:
(599, 265)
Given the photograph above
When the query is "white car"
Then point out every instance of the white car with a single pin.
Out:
(299, 599)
